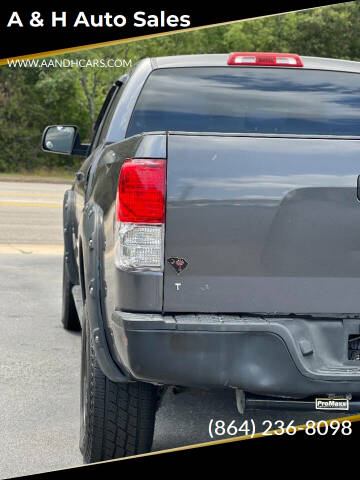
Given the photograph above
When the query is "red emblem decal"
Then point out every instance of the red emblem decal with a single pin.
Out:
(178, 263)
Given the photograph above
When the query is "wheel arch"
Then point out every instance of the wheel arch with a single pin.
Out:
(81, 271)
(92, 242)
(70, 228)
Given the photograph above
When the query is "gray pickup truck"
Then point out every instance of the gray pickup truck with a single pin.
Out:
(212, 240)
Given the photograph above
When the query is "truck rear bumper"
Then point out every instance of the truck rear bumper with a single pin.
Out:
(287, 357)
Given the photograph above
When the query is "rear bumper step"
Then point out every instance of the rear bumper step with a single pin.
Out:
(284, 357)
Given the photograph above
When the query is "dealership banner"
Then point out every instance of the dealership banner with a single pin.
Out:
(232, 454)
(31, 30)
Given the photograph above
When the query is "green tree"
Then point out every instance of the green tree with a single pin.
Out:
(31, 98)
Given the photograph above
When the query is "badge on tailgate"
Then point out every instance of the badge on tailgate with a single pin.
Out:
(178, 263)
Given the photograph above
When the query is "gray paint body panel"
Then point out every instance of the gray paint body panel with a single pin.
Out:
(136, 291)
(267, 224)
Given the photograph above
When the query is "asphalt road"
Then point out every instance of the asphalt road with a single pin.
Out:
(31, 217)
(40, 361)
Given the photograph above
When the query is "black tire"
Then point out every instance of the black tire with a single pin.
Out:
(69, 316)
(117, 419)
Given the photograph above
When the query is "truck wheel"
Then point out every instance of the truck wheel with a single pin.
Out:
(117, 419)
(69, 316)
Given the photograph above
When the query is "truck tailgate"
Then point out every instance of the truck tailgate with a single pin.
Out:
(266, 225)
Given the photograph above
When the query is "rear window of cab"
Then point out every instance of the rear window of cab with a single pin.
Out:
(249, 100)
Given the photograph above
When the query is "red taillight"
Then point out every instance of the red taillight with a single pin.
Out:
(265, 59)
(141, 191)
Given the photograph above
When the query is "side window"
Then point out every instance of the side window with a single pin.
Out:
(97, 126)
(104, 119)
(106, 112)
(110, 113)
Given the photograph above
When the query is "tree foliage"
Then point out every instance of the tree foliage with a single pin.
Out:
(31, 98)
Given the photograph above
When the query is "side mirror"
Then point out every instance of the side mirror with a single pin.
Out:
(64, 139)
